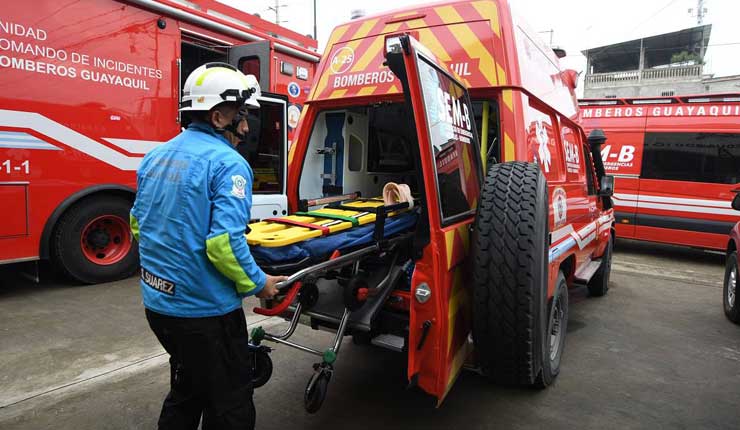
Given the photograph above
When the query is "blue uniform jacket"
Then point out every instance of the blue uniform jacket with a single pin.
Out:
(192, 207)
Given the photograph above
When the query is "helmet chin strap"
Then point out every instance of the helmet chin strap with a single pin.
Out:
(233, 127)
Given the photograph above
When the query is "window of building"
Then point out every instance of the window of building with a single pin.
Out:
(668, 93)
(693, 157)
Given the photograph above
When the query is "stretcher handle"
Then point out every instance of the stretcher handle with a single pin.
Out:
(280, 308)
(305, 204)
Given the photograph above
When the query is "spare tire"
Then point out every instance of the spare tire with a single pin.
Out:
(510, 276)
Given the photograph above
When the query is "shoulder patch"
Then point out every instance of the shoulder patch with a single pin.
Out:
(239, 184)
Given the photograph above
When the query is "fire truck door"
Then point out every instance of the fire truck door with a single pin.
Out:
(253, 59)
(266, 148)
(440, 318)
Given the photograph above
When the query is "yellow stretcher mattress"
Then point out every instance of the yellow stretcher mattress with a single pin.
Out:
(287, 230)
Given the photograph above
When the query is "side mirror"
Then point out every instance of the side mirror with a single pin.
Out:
(736, 202)
(606, 187)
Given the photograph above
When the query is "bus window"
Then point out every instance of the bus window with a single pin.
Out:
(693, 157)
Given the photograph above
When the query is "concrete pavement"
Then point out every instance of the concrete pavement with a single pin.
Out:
(656, 352)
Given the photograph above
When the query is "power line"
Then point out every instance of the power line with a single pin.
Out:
(653, 15)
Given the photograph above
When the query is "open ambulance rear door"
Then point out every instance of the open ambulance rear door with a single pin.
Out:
(439, 328)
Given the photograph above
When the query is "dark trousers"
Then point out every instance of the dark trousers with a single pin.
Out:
(210, 371)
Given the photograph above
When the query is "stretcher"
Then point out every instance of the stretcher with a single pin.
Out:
(340, 274)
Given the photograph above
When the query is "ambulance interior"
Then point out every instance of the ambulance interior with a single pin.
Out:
(360, 149)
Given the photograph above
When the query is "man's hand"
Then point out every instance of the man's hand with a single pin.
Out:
(270, 289)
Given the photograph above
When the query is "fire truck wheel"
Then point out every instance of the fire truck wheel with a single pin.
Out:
(510, 274)
(557, 324)
(92, 242)
(730, 300)
(599, 283)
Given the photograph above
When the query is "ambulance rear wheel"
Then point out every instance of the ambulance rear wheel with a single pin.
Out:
(557, 325)
(92, 242)
(510, 273)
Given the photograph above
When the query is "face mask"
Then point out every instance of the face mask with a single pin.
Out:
(234, 126)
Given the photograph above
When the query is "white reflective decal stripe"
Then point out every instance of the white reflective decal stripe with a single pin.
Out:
(692, 209)
(134, 146)
(23, 140)
(68, 137)
(659, 199)
(561, 233)
(624, 203)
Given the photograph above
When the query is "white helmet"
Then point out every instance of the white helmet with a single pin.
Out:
(214, 83)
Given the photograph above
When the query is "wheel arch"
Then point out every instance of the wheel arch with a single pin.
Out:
(84, 194)
(568, 267)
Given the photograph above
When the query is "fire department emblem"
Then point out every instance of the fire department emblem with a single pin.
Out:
(559, 206)
(237, 189)
(543, 150)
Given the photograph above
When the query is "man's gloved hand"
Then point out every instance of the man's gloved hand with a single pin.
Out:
(270, 290)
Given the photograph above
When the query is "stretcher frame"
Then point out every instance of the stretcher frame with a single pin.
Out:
(292, 288)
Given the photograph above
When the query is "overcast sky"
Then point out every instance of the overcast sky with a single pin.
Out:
(576, 24)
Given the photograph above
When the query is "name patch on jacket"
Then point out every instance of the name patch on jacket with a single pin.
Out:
(158, 283)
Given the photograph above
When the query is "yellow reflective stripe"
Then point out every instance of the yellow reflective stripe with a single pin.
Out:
(134, 226)
(508, 96)
(213, 70)
(469, 42)
(509, 153)
(218, 249)
(338, 93)
(317, 89)
(488, 10)
(484, 136)
(428, 39)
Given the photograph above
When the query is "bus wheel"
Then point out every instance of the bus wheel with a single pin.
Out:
(510, 276)
(730, 300)
(92, 242)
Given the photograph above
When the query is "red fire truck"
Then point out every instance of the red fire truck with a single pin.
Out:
(676, 161)
(88, 87)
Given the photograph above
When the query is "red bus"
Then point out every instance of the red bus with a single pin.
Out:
(677, 165)
(89, 87)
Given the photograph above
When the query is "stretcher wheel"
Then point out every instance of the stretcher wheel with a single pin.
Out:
(316, 390)
(309, 295)
(262, 368)
(353, 300)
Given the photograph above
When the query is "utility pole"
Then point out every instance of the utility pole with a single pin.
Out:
(701, 11)
(315, 37)
(276, 9)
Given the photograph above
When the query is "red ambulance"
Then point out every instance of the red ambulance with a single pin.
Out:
(87, 88)
(677, 165)
(464, 104)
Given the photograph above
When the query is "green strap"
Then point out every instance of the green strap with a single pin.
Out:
(316, 214)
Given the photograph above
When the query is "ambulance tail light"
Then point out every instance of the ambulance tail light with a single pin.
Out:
(393, 45)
